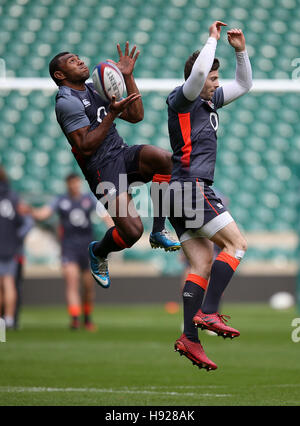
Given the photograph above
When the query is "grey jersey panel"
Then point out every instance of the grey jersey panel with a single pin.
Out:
(71, 114)
(79, 108)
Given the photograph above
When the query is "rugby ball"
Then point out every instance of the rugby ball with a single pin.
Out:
(108, 81)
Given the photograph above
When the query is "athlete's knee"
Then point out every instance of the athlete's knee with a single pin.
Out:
(240, 248)
(167, 156)
(167, 159)
(237, 248)
(164, 160)
(132, 233)
(241, 245)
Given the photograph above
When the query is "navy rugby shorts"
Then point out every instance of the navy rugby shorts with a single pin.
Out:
(195, 210)
(8, 267)
(117, 175)
(78, 255)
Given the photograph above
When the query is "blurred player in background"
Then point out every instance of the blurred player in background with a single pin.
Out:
(88, 123)
(193, 122)
(13, 228)
(24, 229)
(74, 210)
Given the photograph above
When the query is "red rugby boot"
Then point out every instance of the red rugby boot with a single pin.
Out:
(194, 352)
(215, 322)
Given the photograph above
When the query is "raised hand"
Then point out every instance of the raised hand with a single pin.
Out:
(215, 29)
(133, 110)
(236, 39)
(127, 61)
(118, 107)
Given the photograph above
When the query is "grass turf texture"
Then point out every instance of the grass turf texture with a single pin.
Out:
(130, 360)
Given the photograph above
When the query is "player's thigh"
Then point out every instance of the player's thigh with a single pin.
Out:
(87, 280)
(123, 207)
(1, 292)
(199, 253)
(230, 239)
(154, 160)
(71, 273)
(9, 288)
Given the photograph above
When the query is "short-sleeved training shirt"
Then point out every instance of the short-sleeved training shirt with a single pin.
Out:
(75, 222)
(80, 108)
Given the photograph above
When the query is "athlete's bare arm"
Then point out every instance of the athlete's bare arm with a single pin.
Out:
(40, 213)
(87, 142)
(135, 111)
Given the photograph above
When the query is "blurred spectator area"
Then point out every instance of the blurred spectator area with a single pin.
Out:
(166, 31)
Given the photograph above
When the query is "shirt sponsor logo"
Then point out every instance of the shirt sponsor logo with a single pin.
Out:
(86, 103)
(187, 294)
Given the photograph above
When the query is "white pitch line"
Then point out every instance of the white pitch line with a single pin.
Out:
(189, 387)
(283, 385)
(12, 389)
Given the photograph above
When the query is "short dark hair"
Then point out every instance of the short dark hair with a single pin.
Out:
(54, 66)
(192, 59)
(72, 176)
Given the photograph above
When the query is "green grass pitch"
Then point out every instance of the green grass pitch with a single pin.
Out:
(130, 360)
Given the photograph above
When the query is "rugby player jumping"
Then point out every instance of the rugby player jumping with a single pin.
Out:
(193, 123)
(88, 123)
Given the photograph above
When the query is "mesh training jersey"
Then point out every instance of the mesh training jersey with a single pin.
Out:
(79, 108)
(75, 222)
(193, 134)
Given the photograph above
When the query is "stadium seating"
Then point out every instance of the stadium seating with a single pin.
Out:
(258, 134)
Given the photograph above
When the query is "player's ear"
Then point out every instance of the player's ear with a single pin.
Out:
(59, 75)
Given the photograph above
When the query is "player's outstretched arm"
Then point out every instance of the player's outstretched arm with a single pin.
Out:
(41, 213)
(87, 142)
(135, 111)
(202, 66)
(243, 75)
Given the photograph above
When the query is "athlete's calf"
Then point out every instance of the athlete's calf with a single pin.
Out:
(233, 248)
